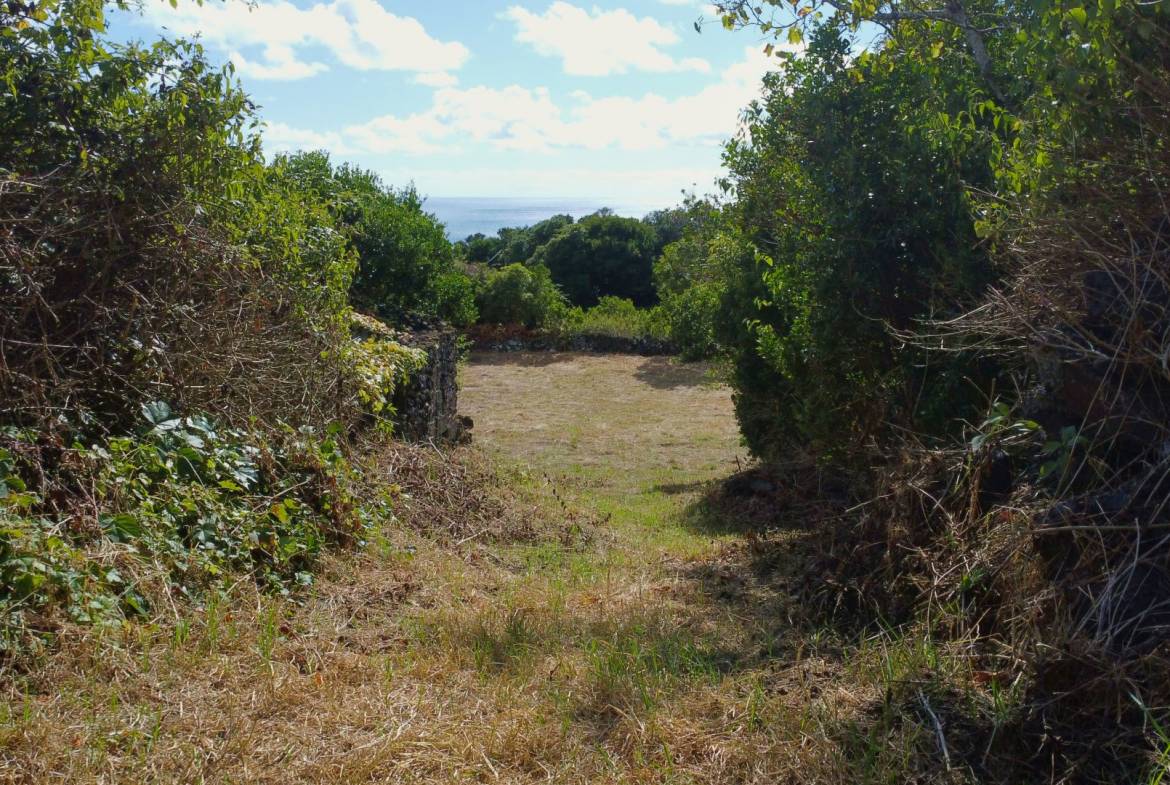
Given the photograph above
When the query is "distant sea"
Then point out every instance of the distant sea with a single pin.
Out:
(466, 216)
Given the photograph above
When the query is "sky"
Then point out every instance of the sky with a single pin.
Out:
(614, 99)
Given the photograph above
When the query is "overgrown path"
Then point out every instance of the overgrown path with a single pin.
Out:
(616, 630)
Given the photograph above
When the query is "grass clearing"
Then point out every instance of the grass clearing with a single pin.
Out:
(592, 623)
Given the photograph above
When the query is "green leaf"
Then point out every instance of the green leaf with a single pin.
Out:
(795, 37)
(156, 412)
(122, 527)
(137, 604)
(193, 440)
(279, 512)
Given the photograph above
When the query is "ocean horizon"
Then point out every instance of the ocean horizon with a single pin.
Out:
(464, 216)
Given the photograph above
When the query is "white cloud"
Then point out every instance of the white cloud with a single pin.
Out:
(280, 137)
(647, 187)
(706, 117)
(360, 34)
(279, 63)
(436, 79)
(512, 118)
(600, 43)
(521, 118)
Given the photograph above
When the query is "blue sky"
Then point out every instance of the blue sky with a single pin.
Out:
(617, 99)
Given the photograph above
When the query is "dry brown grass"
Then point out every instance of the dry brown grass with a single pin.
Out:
(660, 646)
(622, 414)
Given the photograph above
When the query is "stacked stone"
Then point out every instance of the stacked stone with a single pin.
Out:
(428, 405)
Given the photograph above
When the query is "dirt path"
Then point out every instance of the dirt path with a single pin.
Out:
(650, 646)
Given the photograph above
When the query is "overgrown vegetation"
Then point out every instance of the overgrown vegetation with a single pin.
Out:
(602, 255)
(180, 381)
(405, 267)
(939, 277)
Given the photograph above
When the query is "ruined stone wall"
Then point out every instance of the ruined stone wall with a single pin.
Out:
(428, 406)
(511, 338)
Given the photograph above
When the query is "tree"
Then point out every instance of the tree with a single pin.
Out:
(405, 262)
(478, 248)
(861, 226)
(517, 294)
(602, 255)
(793, 19)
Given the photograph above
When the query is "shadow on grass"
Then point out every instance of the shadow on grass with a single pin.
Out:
(767, 571)
(677, 488)
(527, 359)
(807, 585)
(709, 517)
(667, 373)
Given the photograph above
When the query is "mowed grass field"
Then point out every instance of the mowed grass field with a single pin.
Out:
(634, 438)
(623, 632)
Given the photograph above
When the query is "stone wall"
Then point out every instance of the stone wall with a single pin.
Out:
(428, 406)
(493, 338)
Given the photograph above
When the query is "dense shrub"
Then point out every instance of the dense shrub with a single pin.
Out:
(511, 245)
(519, 294)
(862, 226)
(454, 298)
(405, 263)
(182, 502)
(602, 255)
(1033, 133)
(146, 251)
(616, 317)
(148, 254)
(691, 278)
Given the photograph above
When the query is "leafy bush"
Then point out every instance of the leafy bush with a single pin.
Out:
(522, 295)
(616, 317)
(862, 228)
(145, 249)
(691, 278)
(602, 255)
(1034, 133)
(376, 366)
(147, 252)
(691, 320)
(184, 503)
(405, 264)
(455, 298)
